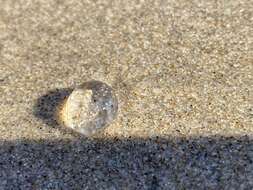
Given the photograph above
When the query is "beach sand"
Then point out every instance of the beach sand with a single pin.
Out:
(183, 74)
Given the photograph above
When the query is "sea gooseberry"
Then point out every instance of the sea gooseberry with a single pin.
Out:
(89, 108)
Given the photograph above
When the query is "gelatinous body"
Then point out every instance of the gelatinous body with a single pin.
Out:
(90, 107)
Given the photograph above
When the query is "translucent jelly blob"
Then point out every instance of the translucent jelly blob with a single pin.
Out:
(89, 108)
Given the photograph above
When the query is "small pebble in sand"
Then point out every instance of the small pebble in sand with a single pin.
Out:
(89, 108)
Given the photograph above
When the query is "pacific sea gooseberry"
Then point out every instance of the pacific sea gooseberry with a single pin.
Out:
(89, 108)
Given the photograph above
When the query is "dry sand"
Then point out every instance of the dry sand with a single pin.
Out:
(183, 74)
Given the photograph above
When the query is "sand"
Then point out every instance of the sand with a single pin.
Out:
(183, 74)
